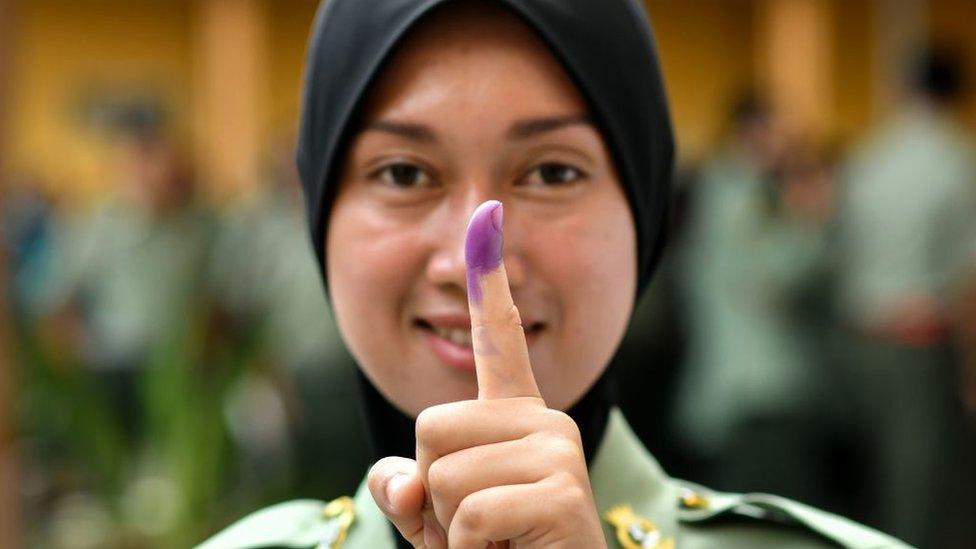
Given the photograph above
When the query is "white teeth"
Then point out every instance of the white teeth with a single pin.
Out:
(457, 336)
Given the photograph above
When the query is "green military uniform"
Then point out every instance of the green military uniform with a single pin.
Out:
(743, 269)
(641, 507)
(754, 394)
(139, 271)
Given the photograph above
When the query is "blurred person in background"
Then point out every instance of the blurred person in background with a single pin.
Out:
(124, 444)
(266, 283)
(749, 400)
(130, 271)
(907, 249)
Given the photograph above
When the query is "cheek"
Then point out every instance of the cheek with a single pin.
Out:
(590, 264)
(596, 277)
(370, 266)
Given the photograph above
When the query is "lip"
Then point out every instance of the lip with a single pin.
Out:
(460, 357)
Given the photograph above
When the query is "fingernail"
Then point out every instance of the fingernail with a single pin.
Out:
(432, 533)
(497, 216)
(483, 244)
(393, 486)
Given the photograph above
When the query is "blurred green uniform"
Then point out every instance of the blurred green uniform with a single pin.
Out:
(908, 217)
(137, 275)
(907, 235)
(747, 394)
(264, 274)
(263, 270)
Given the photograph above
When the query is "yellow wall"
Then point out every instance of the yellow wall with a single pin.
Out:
(288, 24)
(711, 50)
(63, 48)
(706, 50)
(854, 79)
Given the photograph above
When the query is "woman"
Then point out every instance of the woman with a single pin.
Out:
(415, 113)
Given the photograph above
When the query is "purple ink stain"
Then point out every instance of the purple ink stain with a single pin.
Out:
(483, 245)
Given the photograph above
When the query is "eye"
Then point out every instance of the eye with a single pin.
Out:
(402, 175)
(554, 174)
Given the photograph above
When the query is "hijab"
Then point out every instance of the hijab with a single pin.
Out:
(608, 50)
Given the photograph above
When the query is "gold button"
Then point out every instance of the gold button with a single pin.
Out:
(693, 500)
(635, 532)
(339, 514)
(338, 506)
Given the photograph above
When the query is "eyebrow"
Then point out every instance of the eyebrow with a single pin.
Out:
(413, 132)
(521, 129)
(532, 127)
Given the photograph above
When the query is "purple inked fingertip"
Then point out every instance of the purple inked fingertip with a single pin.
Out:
(483, 244)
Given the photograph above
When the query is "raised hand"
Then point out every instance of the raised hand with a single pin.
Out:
(503, 469)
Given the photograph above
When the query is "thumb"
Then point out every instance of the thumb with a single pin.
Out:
(399, 493)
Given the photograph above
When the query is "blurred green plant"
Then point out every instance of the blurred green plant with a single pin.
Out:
(164, 483)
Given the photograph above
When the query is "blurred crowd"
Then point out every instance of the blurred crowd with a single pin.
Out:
(179, 365)
(818, 306)
(812, 334)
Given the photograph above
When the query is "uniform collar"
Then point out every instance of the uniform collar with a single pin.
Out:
(625, 473)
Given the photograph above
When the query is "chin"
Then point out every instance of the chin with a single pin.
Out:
(451, 389)
(429, 390)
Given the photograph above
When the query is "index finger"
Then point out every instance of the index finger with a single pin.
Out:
(501, 355)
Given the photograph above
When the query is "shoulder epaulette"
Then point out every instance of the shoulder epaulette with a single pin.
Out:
(698, 505)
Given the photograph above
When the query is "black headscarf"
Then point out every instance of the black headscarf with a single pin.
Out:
(607, 48)
(605, 45)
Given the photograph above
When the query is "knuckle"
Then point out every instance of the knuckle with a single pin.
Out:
(557, 449)
(573, 501)
(568, 428)
(506, 318)
(576, 493)
(441, 423)
(568, 494)
(512, 317)
(429, 425)
(564, 426)
(565, 482)
(472, 514)
(563, 449)
(440, 477)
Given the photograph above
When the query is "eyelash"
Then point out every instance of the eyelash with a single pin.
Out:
(382, 171)
(579, 174)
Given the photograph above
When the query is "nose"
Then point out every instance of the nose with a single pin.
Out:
(446, 267)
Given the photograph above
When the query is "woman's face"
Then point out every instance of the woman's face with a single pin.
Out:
(472, 107)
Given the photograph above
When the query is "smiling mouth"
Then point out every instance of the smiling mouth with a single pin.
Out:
(457, 336)
(461, 336)
(449, 340)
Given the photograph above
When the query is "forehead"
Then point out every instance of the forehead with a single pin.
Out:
(474, 59)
